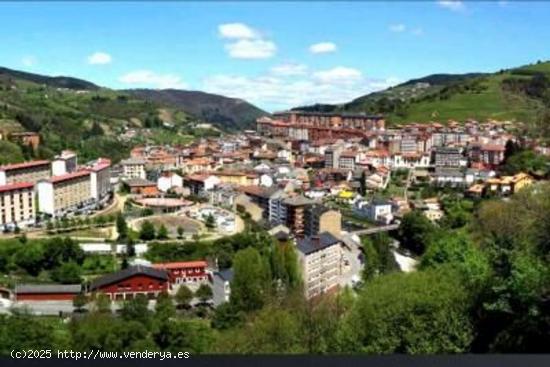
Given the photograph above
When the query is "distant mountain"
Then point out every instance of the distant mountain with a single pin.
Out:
(52, 81)
(520, 94)
(224, 112)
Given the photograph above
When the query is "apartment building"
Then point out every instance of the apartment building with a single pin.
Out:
(100, 179)
(296, 208)
(347, 160)
(331, 120)
(24, 172)
(17, 206)
(64, 163)
(448, 157)
(320, 259)
(133, 168)
(63, 194)
(321, 219)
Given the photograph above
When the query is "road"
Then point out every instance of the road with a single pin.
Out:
(352, 252)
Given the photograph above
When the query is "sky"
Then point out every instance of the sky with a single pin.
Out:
(273, 54)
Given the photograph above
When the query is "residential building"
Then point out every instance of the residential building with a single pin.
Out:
(64, 163)
(449, 157)
(129, 282)
(133, 168)
(139, 186)
(184, 272)
(321, 219)
(296, 207)
(63, 194)
(100, 179)
(320, 259)
(201, 183)
(347, 160)
(221, 286)
(27, 138)
(169, 180)
(379, 211)
(32, 171)
(17, 205)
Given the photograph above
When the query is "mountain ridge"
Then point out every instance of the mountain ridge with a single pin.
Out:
(224, 112)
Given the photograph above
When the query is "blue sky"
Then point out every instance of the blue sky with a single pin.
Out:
(274, 54)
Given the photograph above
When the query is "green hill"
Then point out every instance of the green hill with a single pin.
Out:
(71, 113)
(519, 94)
(90, 120)
(224, 112)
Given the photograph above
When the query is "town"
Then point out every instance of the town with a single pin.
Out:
(317, 181)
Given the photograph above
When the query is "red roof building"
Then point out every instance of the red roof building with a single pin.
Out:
(184, 272)
(134, 280)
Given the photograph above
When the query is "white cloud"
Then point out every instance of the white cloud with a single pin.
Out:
(275, 92)
(148, 78)
(338, 75)
(397, 28)
(28, 60)
(236, 31)
(246, 42)
(289, 69)
(322, 47)
(99, 58)
(454, 5)
(251, 49)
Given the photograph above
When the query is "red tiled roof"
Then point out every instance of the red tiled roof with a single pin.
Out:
(30, 164)
(181, 264)
(16, 186)
(69, 176)
(493, 147)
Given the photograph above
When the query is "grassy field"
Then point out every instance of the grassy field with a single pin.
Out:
(490, 103)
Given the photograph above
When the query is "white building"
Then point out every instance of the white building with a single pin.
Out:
(17, 207)
(378, 211)
(100, 179)
(221, 286)
(169, 181)
(133, 168)
(64, 163)
(320, 258)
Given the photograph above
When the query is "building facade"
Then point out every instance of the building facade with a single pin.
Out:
(63, 194)
(188, 272)
(17, 205)
(320, 259)
(33, 172)
(134, 280)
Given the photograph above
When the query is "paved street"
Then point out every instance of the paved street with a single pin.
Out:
(352, 252)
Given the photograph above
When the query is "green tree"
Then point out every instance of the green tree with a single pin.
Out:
(67, 273)
(181, 231)
(429, 316)
(162, 232)
(210, 221)
(164, 308)
(80, 301)
(121, 227)
(147, 231)
(102, 303)
(184, 296)
(136, 309)
(10, 153)
(284, 265)
(204, 293)
(415, 232)
(250, 280)
(30, 258)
